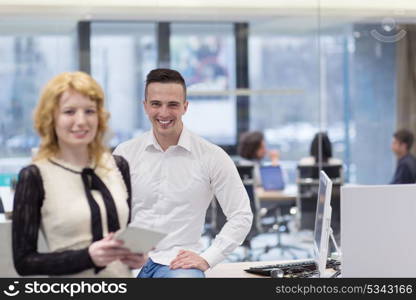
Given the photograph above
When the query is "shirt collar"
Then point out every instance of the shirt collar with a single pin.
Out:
(151, 141)
(184, 140)
(404, 156)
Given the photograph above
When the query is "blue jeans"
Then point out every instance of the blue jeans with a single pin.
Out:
(155, 270)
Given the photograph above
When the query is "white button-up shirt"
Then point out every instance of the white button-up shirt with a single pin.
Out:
(172, 190)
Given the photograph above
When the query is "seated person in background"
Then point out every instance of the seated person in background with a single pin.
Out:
(406, 162)
(252, 148)
(326, 146)
(320, 151)
(75, 190)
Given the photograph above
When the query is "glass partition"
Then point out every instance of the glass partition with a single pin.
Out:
(285, 86)
(122, 53)
(31, 53)
(205, 54)
(306, 74)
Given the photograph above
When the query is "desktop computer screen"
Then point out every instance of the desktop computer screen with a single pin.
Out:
(272, 178)
(322, 222)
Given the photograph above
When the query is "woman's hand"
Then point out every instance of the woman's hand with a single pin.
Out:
(107, 250)
(134, 260)
(274, 157)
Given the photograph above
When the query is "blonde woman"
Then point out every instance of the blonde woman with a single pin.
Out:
(75, 191)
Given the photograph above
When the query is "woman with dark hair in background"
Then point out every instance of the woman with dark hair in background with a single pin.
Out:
(325, 156)
(252, 148)
(320, 151)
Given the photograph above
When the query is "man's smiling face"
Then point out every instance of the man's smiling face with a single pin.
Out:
(165, 104)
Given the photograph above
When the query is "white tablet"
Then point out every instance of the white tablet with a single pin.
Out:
(139, 240)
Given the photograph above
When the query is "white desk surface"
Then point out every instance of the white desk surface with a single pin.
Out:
(6, 253)
(274, 196)
(236, 270)
(6, 256)
(3, 218)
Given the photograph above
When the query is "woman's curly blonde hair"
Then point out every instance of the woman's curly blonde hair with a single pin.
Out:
(44, 122)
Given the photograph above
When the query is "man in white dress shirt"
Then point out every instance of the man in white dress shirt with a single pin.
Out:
(175, 175)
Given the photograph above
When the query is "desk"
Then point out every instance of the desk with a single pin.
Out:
(236, 270)
(275, 196)
(279, 202)
(6, 253)
(6, 256)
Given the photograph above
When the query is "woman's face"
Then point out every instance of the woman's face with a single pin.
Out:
(76, 120)
(261, 152)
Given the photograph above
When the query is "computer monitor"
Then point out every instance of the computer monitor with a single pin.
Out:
(272, 178)
(322, 222)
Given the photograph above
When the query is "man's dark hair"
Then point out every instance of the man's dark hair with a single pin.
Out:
(323, 139)
(249, 143)
(164, 76)
(404, 136)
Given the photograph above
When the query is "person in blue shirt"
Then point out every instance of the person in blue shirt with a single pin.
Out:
(406, 162)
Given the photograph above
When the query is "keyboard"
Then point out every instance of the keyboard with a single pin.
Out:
(298, 269)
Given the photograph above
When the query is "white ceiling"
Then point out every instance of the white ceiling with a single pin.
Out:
(210, 10)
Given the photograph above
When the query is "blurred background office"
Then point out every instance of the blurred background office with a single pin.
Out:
(286, 68)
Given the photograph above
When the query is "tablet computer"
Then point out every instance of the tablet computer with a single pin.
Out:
(139, 240)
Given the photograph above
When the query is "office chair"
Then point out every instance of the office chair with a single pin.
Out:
(281, 214)
(312, 171)
(216, 219)
(308, 183)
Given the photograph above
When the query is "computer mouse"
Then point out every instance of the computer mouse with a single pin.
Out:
(277, 273)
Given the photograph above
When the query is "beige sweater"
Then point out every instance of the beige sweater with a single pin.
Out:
(66, 216)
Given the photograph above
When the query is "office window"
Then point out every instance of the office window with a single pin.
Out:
(284, 83)
(121, 56)
(357, 100)
(205, 55)
(30, 55)
(340, 80)
(372, 115)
